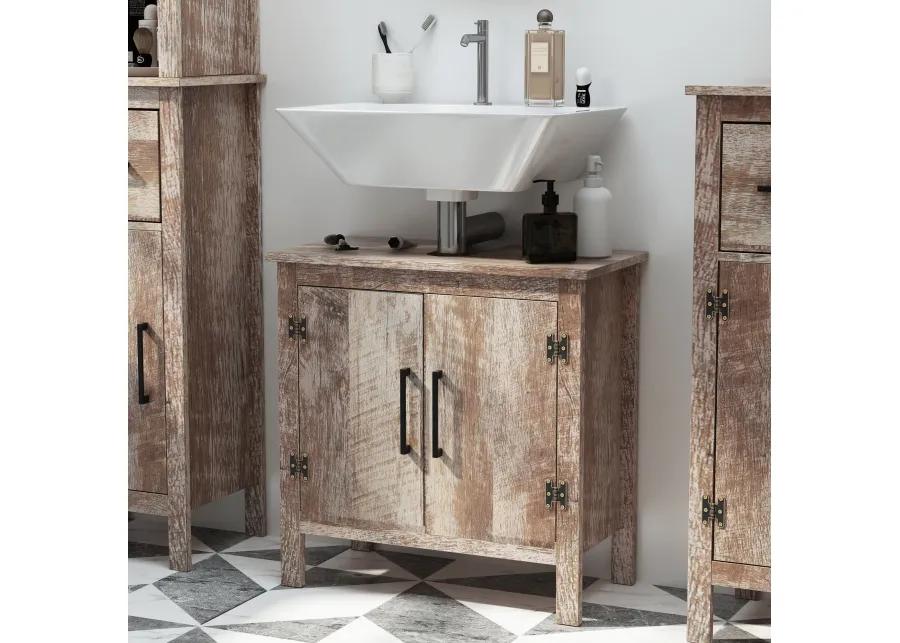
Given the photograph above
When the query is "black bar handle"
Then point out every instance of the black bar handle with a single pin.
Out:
(405, 373)
(763, 188)
(436, 451)
(142, 397)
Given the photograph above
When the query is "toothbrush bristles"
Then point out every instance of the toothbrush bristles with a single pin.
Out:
(429, 20)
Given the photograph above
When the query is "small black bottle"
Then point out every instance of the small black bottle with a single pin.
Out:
(549, 236)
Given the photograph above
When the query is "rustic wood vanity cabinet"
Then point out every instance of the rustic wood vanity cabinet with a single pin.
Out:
(730, 429)
(195, 415)
(476, 404)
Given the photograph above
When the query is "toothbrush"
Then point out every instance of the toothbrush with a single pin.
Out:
(428, 24)
(382, 31)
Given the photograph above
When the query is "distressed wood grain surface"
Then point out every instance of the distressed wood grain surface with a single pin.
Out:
(749, 577)
(143, 165)
(349, 400)
(143, 97)
(146, 422)
(155, 504)
(154, 82)
(624, 542)
(746, 165)
(728, 90)
(500, 262)
(496, 413)
(743, 416)
(570, 445)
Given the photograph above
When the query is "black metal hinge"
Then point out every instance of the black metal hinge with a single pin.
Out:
(297, 327)
(718, 509)
(717, 305)
(558, 349)
(557, 494)
(301, 466)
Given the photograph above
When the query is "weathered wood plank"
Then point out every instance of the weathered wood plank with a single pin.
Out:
(143, 97)
(728, 90)
(497, 401)
(745, 211)
(293, 553)
(155, 82)
(742, 576)
(143, 165)
(750, 257)
(349, 373)
(502, 262)
(703, 400)
(146, 421)
(570, 454)
(624, 542)
(172, 190)
(743, 416)
(155, 504)
(362, 545)
(436, 543)
(602, 364)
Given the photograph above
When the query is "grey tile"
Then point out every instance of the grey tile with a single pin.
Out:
(424, 614)
(218, 539)
(724, 605)
(608, 616)
(145, 550)
(211, 588)
(140, 623)
(307, 631)
(196, 635)
(324, 577)
(733, 634)
(537, 584)
(132, 588)
(421, 566)
(267, 554)
(318, 555)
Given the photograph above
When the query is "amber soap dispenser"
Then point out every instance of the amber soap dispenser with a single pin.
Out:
(545, 63)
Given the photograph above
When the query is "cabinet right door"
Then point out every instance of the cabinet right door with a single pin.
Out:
(492, 412)
(743, 415)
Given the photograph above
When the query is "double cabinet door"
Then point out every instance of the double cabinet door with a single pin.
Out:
(743, 415)
(428, 413)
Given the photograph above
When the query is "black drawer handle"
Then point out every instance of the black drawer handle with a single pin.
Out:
(142, 397)
(763, 188)
(405, 373)
(436, 451)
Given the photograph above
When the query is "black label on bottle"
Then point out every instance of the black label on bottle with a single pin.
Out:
(583, 96)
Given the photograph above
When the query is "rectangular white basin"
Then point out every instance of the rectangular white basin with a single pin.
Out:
(493, 148)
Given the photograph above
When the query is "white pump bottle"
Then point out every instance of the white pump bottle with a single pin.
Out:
(592, 205)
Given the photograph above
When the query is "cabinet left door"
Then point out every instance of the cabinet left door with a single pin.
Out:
(146, 369)
(360, 389)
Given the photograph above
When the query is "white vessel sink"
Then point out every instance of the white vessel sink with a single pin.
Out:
(452, 149)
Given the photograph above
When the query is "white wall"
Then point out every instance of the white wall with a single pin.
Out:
(641, 54)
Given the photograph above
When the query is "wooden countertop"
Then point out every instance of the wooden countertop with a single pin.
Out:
(728, 90)
(196, 81)
(500, 262)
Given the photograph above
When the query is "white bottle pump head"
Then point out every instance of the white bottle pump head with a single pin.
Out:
(594, 165)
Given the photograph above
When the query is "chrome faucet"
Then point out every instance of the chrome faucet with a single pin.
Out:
(481, 38)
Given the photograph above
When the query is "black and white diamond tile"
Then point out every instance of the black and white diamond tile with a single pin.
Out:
(234, 595)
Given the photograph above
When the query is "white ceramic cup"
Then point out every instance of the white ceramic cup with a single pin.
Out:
(392, 77)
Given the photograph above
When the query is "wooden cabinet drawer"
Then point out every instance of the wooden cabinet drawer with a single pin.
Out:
(746, 187)
(143, 165)
(146, 372)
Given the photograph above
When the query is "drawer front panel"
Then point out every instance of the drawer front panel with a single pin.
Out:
(143, 165)
(146, 404)
(746, 187)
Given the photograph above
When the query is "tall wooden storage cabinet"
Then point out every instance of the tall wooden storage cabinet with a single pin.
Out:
(730, 428)
(195, 413)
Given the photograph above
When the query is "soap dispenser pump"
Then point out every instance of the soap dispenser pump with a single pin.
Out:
(549, 236)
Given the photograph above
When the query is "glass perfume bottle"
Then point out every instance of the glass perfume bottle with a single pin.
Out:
(545, 62)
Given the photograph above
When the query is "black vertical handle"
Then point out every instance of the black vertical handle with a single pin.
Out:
(436, 451)
(404, 375)
(763, 188)
(142, 397)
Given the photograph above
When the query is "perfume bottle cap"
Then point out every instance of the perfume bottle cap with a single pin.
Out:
(545, 17)
(582, 76)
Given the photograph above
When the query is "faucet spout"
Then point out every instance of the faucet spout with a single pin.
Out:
(481, 39)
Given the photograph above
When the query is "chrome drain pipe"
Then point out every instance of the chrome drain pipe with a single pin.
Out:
(456, 232)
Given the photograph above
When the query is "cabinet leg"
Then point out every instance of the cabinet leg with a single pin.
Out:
(255, 510)
(700, 614)
(568, 587)
(361, 545)
(293, 560)
(748, 594)
(180, 540)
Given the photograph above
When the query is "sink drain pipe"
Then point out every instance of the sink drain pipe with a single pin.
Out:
(456, 232)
